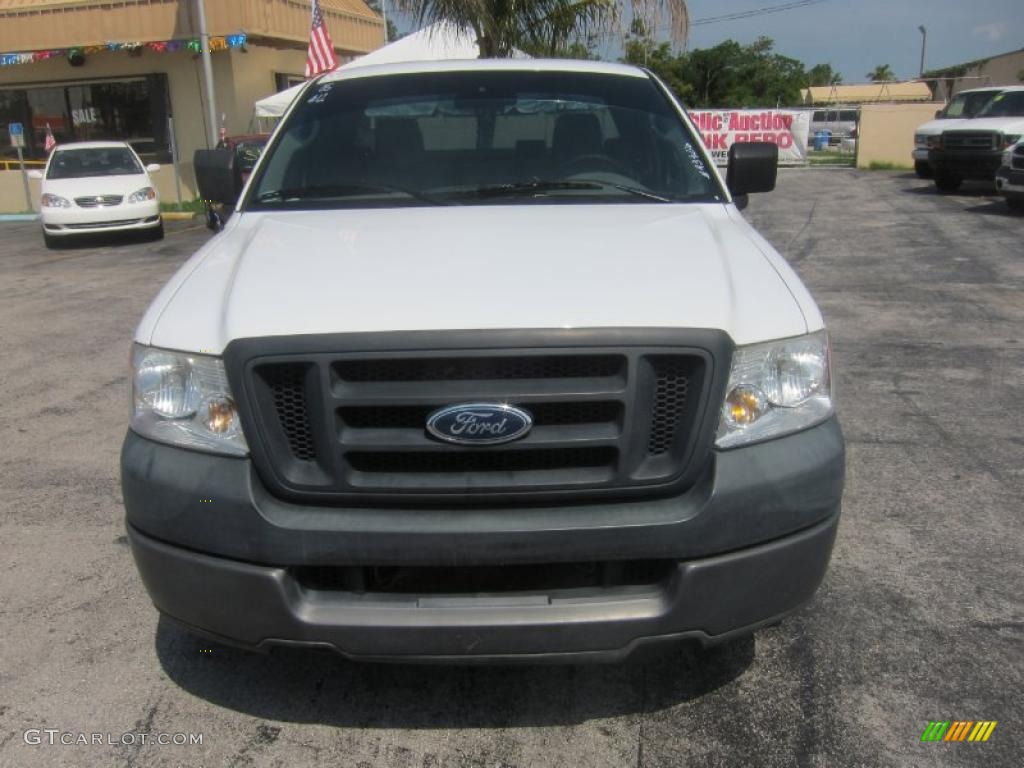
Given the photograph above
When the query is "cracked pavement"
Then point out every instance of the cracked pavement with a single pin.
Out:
(920, 617)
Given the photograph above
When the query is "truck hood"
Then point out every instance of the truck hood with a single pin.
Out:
(480, 267)
(935, 127)
(1004, 124)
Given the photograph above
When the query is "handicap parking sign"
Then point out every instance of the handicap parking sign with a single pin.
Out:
(17, 133)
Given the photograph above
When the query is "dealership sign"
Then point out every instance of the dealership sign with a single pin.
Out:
(721, 128)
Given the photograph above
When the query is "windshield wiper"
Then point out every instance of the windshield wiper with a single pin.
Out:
(321, 191)
(541, 186)
(523, 188)
(632, 190)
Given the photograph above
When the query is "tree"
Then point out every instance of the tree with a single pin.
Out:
(729, 74)
(547, 27)
(881, 73)
(823, 74)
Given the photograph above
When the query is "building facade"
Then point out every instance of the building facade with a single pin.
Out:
(131, 70)
(1003, 69)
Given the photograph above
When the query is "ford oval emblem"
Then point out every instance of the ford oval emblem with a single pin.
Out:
(479, 423)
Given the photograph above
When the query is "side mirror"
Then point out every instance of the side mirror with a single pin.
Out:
(152, 167)
(753, 167)
(215, 176)
(35, 173)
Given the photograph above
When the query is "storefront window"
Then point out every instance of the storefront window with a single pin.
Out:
(124, 110)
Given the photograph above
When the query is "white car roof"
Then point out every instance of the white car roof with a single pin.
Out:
(92, 145)
(486, 65)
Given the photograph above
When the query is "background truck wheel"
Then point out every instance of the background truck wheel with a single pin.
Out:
(922, 169)
(947, 182)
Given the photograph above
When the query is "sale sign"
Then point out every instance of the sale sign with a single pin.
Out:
(721, 128)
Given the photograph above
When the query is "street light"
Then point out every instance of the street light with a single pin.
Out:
(924, 42)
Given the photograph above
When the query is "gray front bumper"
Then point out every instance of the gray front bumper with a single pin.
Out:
(752, 540)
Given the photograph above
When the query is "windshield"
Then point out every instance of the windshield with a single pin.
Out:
(102, 161)
(482, 137)
(968, 104)
(1006, 104)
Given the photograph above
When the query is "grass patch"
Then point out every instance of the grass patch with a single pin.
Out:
(188, 206)
(882, 165)
(830, 158)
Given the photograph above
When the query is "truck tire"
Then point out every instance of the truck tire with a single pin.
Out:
(947, 182)
(922, 169)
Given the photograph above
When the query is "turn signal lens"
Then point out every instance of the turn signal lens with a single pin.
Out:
(743, 406)
(219, 415)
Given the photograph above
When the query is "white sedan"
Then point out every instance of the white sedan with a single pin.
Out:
(97, 186)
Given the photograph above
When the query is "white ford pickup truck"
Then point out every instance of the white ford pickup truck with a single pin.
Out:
(486, 365)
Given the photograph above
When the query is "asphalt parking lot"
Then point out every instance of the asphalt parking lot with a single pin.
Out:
(920, 618)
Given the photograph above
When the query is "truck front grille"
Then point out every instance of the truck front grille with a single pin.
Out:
(352, 426)
(971, 140)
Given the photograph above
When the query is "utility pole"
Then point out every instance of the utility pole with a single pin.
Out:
(211, 100)
(924, 42)
(384, 16)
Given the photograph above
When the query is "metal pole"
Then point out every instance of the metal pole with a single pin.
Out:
(24, 180)
(174, 159)
(924, 42)
(384, 15)
(211, 99)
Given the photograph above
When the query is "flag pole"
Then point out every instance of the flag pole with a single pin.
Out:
(211, 100)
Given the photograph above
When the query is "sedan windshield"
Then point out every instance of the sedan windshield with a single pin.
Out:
(482, 138)
(95, 161)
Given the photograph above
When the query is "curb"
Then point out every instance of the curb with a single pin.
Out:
(19, 217)
(178, 215)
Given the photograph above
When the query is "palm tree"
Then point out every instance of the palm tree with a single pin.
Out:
(881, 73)
(545, 26)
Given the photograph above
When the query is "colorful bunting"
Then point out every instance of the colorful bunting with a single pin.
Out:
(218, 43)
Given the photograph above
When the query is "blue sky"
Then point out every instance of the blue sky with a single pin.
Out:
(855, 35)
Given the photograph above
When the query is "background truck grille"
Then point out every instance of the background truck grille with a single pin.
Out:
(971, 140)
(1017, 158)
(98, 200)
(352, 426)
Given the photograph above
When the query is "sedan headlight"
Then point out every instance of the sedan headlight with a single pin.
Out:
(54, 201)
(142, 195)
(184, 399)
(776, 388)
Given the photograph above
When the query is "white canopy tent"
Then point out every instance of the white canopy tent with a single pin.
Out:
(436, 42)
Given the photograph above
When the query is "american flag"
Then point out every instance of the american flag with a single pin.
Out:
(320, 57)
(50, 142)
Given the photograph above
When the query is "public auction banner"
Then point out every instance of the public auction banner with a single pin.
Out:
(721, 128)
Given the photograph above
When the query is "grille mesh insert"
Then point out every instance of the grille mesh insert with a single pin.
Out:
(287, 384)
(672, 380)
(476, 369)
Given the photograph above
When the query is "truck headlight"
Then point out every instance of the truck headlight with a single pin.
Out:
(1010, 139)
(184, 399)
(776, 388)
(54, 201)
(920, 140)
(142, 195)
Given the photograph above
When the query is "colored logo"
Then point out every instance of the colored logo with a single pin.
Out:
(958, 730)
(479, 423)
